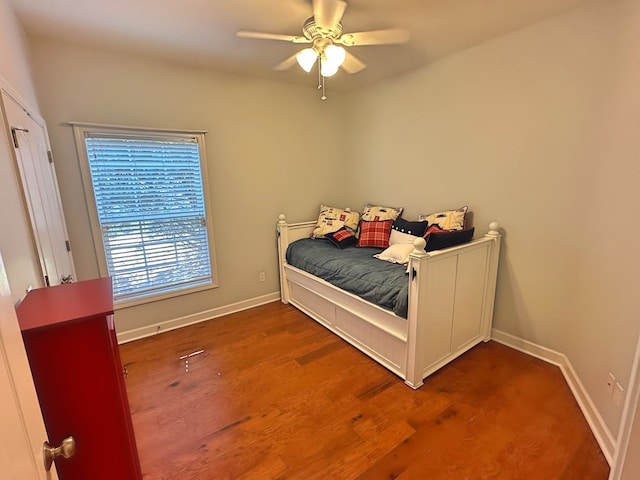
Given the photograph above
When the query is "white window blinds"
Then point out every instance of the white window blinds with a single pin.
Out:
(151, 211)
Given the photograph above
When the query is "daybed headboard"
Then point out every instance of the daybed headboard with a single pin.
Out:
(294, 231)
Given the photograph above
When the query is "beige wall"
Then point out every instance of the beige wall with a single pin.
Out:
(14, 61)
(17, 249)
(268, 147)
(605, 299)
(537, 130)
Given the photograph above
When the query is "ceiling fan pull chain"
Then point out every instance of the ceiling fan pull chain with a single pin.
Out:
(321, 78)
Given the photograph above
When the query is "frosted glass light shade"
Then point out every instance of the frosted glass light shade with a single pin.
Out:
(328, 69)
(335, 55)
(306, 59)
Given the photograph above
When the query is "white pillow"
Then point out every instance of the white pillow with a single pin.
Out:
(398, 253)
(399, 237)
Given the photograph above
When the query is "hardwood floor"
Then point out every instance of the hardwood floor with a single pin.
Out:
(273, 395)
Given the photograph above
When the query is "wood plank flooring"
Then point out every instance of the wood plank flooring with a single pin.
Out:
(276, 396)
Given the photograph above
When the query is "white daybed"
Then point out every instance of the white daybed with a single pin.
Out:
(451, 297)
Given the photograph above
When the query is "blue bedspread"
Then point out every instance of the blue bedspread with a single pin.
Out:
(354, 270)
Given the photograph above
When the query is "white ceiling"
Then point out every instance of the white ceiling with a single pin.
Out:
(202, 32)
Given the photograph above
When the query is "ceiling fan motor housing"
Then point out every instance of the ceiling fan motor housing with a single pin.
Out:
(313, 31)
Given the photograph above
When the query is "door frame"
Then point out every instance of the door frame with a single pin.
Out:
(58, 239)
(628, 426)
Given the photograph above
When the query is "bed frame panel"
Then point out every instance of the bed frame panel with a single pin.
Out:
(451, 298)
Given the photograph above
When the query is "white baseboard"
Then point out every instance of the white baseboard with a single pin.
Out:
(594, 419)
(155, 328)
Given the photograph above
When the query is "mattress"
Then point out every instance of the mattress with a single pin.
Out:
(355, 270)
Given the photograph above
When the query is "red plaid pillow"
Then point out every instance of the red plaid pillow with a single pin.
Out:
(343, 238)
(342, 234)
(375, 234)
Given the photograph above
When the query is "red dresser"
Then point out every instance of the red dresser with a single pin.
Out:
(70, 338)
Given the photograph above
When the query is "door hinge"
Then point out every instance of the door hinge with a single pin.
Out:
(15, 137)
(50, 156)
(68, 245)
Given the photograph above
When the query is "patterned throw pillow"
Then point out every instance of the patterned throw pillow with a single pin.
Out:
(343, 238)
(375, 234)
(448, 219)
(332, 219)
(376, 213)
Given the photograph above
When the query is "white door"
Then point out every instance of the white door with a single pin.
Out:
(22, 430)
(626, 461)
(631, 467)
(40, 189)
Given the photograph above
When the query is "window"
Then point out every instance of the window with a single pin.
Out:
(149, 217)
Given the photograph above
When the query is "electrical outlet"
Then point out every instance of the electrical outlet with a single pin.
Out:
(261, 276)
(611, 383)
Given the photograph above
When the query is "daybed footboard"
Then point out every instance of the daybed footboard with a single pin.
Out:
(451, 298)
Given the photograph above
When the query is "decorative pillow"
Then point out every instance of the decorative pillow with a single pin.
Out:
(332, 219)
(398, 253)
(412, 228)
(438, 239)
(448, 219)
(343, 238)
(433, 229)
(377, 213)
(403, 231)
(375, 234)
(396, 237)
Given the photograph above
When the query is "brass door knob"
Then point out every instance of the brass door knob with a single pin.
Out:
(66, 449)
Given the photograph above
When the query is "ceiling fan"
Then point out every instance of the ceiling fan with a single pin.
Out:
(324, 32)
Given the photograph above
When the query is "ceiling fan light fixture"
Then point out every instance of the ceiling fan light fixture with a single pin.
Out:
(323, 31)
(306, 59)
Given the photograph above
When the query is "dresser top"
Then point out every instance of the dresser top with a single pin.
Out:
(68, 302)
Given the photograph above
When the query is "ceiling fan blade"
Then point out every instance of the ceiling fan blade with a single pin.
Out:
(375, 37)
(353, 64)
(328, 13)
(287, 64)
(272, 36)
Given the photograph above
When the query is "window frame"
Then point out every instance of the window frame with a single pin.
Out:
(79, 131)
